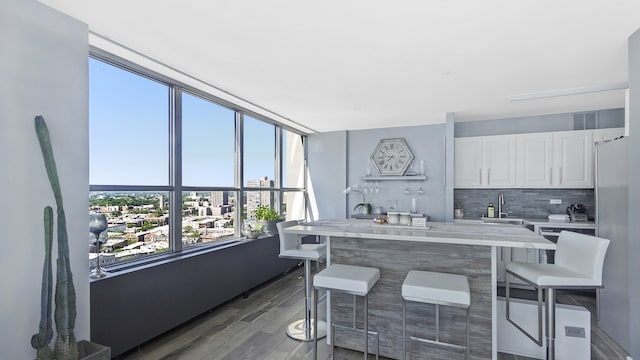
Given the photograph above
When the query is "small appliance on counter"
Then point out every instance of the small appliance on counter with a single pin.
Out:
(563, 218)
(577, 212)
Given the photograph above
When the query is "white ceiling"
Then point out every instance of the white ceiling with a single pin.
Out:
(356, 64)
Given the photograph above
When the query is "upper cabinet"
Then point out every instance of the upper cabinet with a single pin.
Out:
(485, 162)
(534, 160)
(468, 162)
(573, 159)
(541, 160)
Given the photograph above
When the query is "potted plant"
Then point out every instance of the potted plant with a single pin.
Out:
(364, 207)
(65, 346)
(252, 228)
(269, 217)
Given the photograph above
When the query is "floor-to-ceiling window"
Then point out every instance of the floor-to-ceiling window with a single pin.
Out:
(173, 168)
(208, 171)
(293, 178)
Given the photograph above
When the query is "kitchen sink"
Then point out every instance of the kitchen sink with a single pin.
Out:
(509, 221)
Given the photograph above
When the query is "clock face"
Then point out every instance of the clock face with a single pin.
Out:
(392, 156)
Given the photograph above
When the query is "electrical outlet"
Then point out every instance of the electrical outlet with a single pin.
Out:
(572, 331)
(555, 201)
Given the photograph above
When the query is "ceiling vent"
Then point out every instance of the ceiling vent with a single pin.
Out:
(585, 120)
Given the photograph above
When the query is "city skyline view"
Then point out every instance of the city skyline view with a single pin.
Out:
(133, 122)
(139, 221)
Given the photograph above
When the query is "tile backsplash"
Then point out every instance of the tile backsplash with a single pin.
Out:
(523, 203)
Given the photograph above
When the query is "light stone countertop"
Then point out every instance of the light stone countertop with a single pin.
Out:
(501, 235)
(536, 222)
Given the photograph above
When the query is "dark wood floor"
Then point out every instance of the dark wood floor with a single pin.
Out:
(254, 328)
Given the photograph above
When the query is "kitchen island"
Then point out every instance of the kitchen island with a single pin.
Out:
(466, 249)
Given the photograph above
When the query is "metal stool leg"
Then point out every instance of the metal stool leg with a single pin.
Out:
(302, 329)
(404, 329)
(466, 353)
(366, 327)
(437, 322)
(435, 341)
(307, 299)
(315, 333)
(550, 310)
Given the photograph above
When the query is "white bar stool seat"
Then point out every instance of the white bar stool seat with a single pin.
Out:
(439, 289)
(578, 264)
(291, 247)
(350, 279)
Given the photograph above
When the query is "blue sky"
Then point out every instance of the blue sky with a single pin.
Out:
(128, 134)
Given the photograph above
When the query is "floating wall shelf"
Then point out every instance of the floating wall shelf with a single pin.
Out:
(402, 178)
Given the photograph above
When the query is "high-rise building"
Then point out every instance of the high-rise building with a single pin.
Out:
(219, 198)
(160, 199)
(255, 198)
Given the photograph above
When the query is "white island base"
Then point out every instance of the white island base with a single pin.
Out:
(573, 330)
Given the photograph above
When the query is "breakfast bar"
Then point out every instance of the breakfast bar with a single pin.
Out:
(466, 249)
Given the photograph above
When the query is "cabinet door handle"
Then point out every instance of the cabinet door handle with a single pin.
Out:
(489, 176)
(561, 175)
(480, 178)
(550, 175)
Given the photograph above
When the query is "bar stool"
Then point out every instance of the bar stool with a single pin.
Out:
(291, 247)
(350, 279)
(578, 264)
(439, 289)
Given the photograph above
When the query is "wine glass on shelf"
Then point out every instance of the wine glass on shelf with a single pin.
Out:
(407, 190)
(422, 169)
(97, 224)
(420, 190)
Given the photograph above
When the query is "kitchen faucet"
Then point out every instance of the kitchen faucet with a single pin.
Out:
(501, 213)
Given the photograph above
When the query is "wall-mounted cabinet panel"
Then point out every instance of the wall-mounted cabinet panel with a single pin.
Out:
(573, 151)
(534, 160)
(499, 154)
(485, 162)
(540, 160)
(468, 162)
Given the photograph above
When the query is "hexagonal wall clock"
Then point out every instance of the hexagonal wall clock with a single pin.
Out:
(392, 156)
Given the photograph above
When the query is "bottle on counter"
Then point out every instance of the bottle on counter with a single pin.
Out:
(491, 211)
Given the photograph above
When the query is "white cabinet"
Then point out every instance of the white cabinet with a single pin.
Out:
(573, 163)
(485, 162)
(500, 160)
(468, 162)
(541, 160)
(534, 160)
(558, 160)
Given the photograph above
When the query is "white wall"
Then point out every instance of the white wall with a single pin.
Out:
(634, 192)
(339, 159)
(327, 176)
(426, 143)
(43, 68)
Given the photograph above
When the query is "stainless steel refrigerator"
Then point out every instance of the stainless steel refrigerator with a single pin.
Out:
(612, 222)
